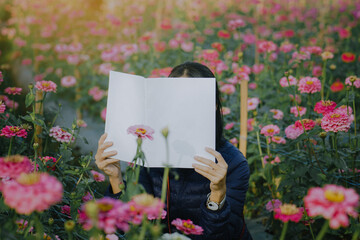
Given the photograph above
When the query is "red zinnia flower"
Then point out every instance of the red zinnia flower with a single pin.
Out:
(308, 124)
(11, 131)
(224, 34)
(337, 86)
(348, 57)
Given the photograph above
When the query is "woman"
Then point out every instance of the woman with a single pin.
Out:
(212, 196)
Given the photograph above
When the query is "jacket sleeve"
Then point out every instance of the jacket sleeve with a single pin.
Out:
(227, 223)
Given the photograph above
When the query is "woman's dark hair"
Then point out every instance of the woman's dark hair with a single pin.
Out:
(197, 70)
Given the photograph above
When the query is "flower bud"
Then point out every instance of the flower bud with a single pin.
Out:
(240, 55)
(35, 145)
(91, 209)
(122, 186)
(332, 66)
(165, 132)
(51, 221)
(69, 225)
(323, 135)
(286, 74)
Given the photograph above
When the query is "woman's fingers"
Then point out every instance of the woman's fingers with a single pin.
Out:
(102, 139)
(208, 170)
(218, 156)
(206, 161)
(105, 145)
(103, 164)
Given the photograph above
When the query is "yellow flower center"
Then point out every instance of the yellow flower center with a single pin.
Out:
(335, 115)
(309, 82)
(105, 206)
(289, 209)
(144, 199)
(14, 129)
(326, 103)
(277, 138)
(46, 84)
(334, 196)
(28, 179)
(140, 130)
(270, 130)
(250, 103)
(188, 225)
(14, 158)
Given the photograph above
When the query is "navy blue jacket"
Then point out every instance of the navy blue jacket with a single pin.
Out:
(188, 195)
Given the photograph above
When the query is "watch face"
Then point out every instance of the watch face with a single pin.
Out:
(212, 206)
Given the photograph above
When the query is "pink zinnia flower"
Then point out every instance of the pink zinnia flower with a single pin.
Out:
(103, 114)
(2, 107)
(250, 124)
(229, 126)
(141, 131)
(273, 204)
(335, 121)
(234, 141)
(109, 213)
(257, 68)
(308, 124)
(270, 130)
(279, 140)
(61, 135)
(225, 111)
(66, 210)
(284, 81)
(81, 123)
(324, 107)
(32, 192)
(288, 212)
(46, 86)
(145, 204)
(68, 81)
(301, 110)
(353, 80)
(309, 85)
(187, 227)
(96, 93)
(266, 47)
(273, 161)
(13, 90)
(278, 114)
(187, 46)
(252, 85)
(333, 203)
(292, 132)
(105, 68)
(87, 197)
(98, 177)
(12, 131)
(13, 166)
(227, 89)
(253, 103)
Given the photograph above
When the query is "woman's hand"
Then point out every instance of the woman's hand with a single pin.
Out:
(110, 166)
(215, 172)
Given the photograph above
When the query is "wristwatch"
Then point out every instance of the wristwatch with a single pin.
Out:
(213, 205)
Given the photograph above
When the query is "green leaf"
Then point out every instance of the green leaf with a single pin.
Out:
(29, 99)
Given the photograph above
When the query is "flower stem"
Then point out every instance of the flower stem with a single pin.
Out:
(323, 230)
(283, 232)
(259, 145)
(143, 229)
(323, 80)
(10, 145)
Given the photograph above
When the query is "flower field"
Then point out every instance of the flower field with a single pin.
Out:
(299, 59)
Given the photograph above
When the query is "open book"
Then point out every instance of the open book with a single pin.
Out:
(185, 105)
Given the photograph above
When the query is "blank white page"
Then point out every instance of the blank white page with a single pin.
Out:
(125, 104)
(187, 107)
